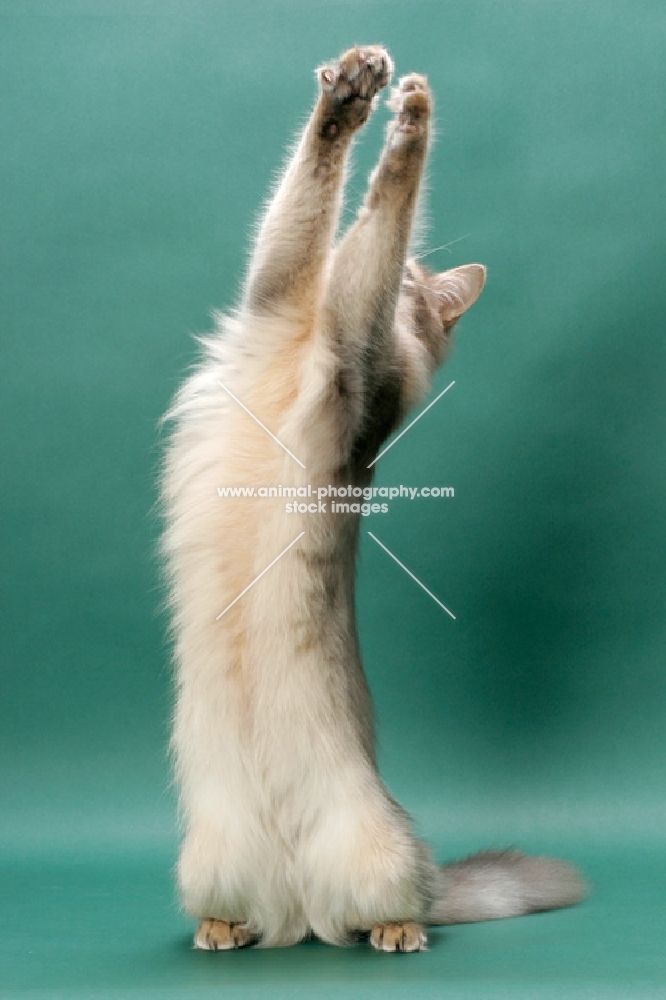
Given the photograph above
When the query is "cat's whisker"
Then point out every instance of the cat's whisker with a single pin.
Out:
(444, 246)
(419, 284)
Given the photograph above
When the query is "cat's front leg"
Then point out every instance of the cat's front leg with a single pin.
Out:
(295, 237)
(412, 102)
(366, 275)
(349, 87)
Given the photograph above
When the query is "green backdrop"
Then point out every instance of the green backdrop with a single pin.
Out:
(137, 143)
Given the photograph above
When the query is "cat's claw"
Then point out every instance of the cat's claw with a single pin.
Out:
(402, 936)
(220, 935)
(360, 72)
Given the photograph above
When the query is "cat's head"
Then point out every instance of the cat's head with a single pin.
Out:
(433, 303)
(428, 308)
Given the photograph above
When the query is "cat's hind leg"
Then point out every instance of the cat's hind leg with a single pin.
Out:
(222, 935)
(363, 872)
(399, 936)
(235, 880)
(296, 234)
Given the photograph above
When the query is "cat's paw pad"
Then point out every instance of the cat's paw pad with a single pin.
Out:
(218, 935)
(412, 104)
(359, 73)
(403, 936)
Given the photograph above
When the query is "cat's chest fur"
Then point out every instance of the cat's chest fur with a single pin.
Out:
(337, 403)
(287, 648)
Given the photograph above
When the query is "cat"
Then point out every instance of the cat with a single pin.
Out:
(288, 829)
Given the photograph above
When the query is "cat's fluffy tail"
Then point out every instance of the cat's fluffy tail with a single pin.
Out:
(496, 884)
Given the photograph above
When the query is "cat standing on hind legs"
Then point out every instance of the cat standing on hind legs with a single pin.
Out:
(287, 827)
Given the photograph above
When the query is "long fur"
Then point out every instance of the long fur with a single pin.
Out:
(287, 827)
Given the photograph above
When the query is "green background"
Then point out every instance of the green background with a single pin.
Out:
(137, 141)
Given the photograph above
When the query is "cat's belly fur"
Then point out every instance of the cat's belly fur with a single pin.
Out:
(286, 822)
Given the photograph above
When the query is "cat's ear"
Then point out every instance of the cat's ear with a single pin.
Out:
(458, 289)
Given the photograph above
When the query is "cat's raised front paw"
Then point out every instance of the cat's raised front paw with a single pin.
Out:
(412, 104)
(359, 73)
(218, 935)
(403, 936)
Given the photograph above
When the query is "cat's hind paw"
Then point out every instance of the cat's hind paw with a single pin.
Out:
(403, 936)
(219, 935)
(354, 80)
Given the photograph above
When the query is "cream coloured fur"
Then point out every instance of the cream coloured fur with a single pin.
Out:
(288, 828)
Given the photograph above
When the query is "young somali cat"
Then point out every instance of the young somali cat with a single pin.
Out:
(288, 827)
